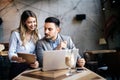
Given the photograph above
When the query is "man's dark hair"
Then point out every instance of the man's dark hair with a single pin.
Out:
(53, 20)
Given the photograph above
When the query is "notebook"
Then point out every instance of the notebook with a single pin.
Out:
(30, 58)
(55, 59)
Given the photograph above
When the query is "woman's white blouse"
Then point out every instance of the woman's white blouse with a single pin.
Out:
(15, 45)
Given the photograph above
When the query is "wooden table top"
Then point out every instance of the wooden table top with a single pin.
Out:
(37, 74)
(100, 51)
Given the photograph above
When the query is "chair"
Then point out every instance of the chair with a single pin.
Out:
(113, 62)
(4, 51)
(4, 62)
(104, 62)
(91, 61)
(6, 46)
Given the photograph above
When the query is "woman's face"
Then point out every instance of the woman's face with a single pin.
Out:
(31, 23)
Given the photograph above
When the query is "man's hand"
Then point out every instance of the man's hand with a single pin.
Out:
(62, 45)
(35, 65)
(81, 62)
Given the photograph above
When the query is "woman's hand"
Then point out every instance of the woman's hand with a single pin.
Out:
(35, 65)
(81, 62)
(18, 59)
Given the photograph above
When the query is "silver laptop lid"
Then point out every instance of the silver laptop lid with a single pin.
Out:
(55, 59)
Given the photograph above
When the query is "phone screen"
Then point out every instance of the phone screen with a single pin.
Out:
(79, 69)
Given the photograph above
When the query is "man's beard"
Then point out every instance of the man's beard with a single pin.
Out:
(48, 37)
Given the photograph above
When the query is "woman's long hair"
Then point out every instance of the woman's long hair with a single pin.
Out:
(23, 28)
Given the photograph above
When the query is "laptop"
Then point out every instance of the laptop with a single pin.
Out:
(55, 59)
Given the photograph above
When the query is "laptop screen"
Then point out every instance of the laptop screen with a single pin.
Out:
(55, 59)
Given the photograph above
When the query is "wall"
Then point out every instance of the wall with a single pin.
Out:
(85, 33)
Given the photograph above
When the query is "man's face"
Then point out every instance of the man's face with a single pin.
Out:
(51, 30)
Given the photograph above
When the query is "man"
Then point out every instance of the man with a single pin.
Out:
(54, 41)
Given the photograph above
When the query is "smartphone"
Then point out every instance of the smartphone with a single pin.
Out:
(79, 69)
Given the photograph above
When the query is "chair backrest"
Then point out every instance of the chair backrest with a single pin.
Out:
(90, 57)
(6, 46)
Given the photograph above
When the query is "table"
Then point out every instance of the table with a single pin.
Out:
(96, 58)
(101, 51)
(37, 74)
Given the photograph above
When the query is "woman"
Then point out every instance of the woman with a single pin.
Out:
(23, 40)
